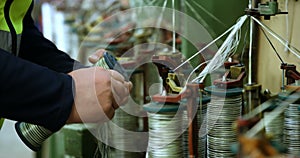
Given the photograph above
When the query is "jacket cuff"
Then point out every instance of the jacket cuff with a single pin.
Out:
(67, 101)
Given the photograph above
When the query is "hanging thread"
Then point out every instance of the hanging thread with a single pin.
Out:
(227, 49)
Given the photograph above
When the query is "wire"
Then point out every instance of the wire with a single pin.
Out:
(190, 75)
(161, 14)
(227, 49)
(165, 134)
(210, 14)
(204, 48)
(158, 25)
(272, 46)
(292, 49)
(200, 19)
(245, 43)
(151, 2)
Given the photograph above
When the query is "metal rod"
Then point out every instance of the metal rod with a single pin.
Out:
(174, 23)
(250, 6)
(193, 138)
(249, 100)
(282, 87)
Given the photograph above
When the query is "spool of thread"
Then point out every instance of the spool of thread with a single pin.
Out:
(225, 107)
(292, 129)
(32, 135)
(119, 139)
(275, 128)
(201, 120)
(165, 131)
(202, 117)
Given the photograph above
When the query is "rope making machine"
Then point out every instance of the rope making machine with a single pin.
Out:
(193, 114)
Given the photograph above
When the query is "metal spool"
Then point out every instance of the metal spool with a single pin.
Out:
(32, 135)
(201, 116)
(125, 120)
(185, 134)
(165, 131)
(292, 129)
(275, 127)
(119, 139)
(225, 107)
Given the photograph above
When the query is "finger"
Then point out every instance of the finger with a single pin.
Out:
(124, 101)
(106, 108)
(115, 105)
(96, 56)
(117, 76)
(111, 114)
(120, 91)
(129, 85)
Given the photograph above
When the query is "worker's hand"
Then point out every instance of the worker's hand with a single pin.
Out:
(98, 93)
(96, 56)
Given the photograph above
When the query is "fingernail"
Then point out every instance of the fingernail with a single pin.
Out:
(95, 57)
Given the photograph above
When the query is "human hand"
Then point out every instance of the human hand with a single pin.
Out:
(98, 93)
(96, 56)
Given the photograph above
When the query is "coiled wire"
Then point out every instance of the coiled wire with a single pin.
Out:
(119, 139)
(102, 63)
(202, 140)
(221, 113)
(275, 127)
(185, 135)
(292, 129)
(32, 135)
(201, 116)
(165, 135)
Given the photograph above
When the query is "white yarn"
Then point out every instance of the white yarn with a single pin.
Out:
(227, 49)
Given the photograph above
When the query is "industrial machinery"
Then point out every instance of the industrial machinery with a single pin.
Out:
(266, 10)
(194, 114)
(225, 107)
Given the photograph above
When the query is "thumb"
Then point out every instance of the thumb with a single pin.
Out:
(96, 56)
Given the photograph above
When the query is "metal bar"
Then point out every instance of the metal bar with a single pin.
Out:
(250, 6)
(174, 23)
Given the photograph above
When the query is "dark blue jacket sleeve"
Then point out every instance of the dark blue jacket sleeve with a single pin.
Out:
(36, 48)
(34, 88)
(33, 93)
